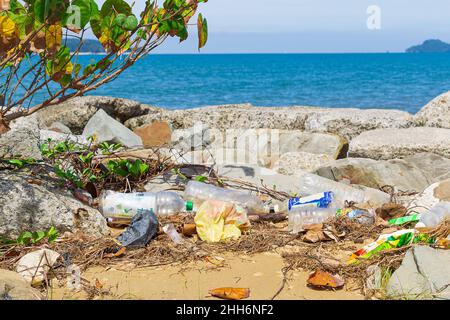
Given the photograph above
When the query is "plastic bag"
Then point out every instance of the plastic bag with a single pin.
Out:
(219, 221)
(142, 229)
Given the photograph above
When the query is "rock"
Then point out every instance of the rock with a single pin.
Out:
(351, 122)
(424, 274)
(57, 137)
(273, 142)
(14, 287)
(399, 143)
(375, 174)
(345, 122)
(435, 167)
(289, 163)
(75, 113)
(27, 206)
(223, 156)
(59, 127)
(436, 113)
(106, 128)
(198, 137)
(22, 140)
(34, 266)
(437, 192)
(155, 134)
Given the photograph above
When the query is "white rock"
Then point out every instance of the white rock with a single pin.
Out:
(399, 143)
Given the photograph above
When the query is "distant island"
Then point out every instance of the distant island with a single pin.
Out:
(430, 46)
(88, 46)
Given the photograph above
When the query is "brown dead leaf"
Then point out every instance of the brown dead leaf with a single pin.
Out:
(117, 254)
(313, 227)
(230, 293)
(189, 229)
(324, 280)
(390, 211)
(313, 236)
(98, 284)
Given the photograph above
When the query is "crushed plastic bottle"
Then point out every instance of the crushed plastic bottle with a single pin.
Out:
(199, 191)
(312, 184)
(308, 214)
(120, 208)
(435, 216)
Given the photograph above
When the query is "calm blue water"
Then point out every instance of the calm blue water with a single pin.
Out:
(390, 81)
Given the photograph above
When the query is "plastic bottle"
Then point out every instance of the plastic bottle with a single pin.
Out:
(308, 214)
(312, 184)
(170, 230)
(119, 208)
(201, 191)
(435, 216)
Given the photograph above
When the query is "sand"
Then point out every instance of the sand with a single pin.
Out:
(262, 273)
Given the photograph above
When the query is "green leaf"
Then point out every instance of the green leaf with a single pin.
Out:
(120, 19)
(77, 15)
(202, 26)
(130, 23)
(112, 7)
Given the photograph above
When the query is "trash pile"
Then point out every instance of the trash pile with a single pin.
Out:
(207, 218)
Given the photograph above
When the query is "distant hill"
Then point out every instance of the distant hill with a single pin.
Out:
(430, 46)
(89, 45)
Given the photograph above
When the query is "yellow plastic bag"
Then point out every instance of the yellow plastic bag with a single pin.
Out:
(220, 221)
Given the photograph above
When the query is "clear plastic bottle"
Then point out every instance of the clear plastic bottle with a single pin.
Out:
(119, 208)
(201, 191)
(435, 216)
(173, 234)
(308, 214)
(312, 184)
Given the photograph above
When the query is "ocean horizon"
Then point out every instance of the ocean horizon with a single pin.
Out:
(403, 81)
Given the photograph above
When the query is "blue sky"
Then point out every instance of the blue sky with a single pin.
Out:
(317, 25)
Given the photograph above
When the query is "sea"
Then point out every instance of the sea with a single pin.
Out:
(403, 81)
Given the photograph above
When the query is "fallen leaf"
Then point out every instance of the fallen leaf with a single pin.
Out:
(391, 210)
(313, 236)
(98, 284)
(325, 280)
(313, 227)
(189, 229)
(230, 293)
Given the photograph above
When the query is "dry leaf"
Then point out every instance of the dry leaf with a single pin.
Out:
(230, 293)
(98, 284)
(322, 279)
(189, 229)
(313, 236)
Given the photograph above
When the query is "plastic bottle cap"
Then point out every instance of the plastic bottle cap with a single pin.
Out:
(189, 206)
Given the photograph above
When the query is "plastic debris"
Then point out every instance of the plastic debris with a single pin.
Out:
(230, 293)
(396, 239)
(35, 265)
(219, 221)
(142, 230)
(405, 219)
(120, 208)
(360, 216)
(170, 230)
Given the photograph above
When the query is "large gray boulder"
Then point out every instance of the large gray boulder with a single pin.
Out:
(22, 140)
(400, 143)
(424, 274)
(30, 206)
(14, 287)
(375, 174)
(435, 167)
(345, 122)
(436, 113)
(76, 112)
(106, 128)
(291, 163)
